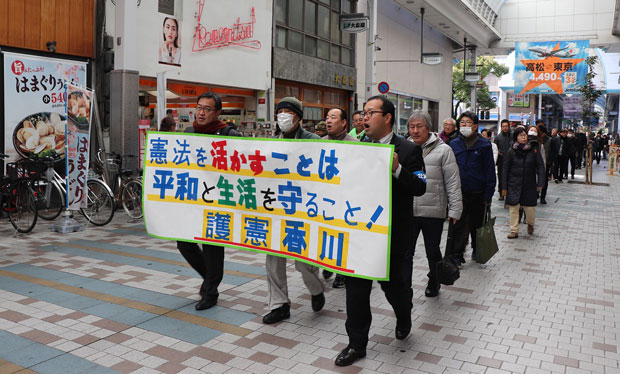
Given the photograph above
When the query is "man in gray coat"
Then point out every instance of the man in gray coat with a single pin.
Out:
(289, 112)
(503, 140)
(443, 193)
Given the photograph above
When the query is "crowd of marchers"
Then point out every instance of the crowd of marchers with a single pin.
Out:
(437, 178)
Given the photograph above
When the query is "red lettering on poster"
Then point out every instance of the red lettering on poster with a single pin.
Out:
(239, 34)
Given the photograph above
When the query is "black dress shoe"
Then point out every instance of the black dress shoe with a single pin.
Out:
(318, 301)
(543, 201)
(327, 274)
(402, 330)
(277, 314)
(338, 281)
(205, 304)
(432, 289)
(349, 355)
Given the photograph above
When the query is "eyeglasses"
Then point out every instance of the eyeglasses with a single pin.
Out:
(371, 112)
(206, 109)
(466, 122)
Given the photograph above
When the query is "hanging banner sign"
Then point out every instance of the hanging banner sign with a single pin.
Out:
(572, 107)
(78, 144)
(238, 33)
(305, 200)
(34, 102)
(550, 67)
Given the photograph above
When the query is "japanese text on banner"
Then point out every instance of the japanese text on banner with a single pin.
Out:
(324, 203)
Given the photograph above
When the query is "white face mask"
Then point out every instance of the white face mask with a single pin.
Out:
(533, 133)
(570, 135)
(466, 131)
(285, 121)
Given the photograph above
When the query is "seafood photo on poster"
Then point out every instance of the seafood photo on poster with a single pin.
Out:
(170, 42)
(34, 98)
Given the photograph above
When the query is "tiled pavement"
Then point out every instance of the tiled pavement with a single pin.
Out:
(113, 300)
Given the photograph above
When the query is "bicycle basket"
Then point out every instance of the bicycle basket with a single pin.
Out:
(26, 169)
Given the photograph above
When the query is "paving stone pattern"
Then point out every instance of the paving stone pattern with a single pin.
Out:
(114, 300)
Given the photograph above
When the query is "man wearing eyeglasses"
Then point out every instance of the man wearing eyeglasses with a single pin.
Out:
(208, 261)
(408, 180)
(475, 159)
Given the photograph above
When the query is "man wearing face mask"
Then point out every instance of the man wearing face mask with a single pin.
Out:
(475, 159)
(548, 155)
(289, 112)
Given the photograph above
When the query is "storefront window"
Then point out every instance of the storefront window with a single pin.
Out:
(335, 55)
(286, 91)
(312, 114)
(323, 29)
(295, 41)
(322, 50)
(317, 18)
(281, 12)
(405, 107)
(280, 37)
(312, 96)
(335, 34)
(296, 13)
(310, 46)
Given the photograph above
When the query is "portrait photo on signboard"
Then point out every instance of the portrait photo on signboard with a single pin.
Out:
(170, 42)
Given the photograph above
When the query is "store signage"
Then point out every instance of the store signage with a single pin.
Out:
(238, 34)
(344, 80)
(354, 24)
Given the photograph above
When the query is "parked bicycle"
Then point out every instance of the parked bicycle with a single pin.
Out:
(126, 183)
(17, 199)
(50, 190)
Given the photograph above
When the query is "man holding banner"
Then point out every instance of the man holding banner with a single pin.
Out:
(208, 262)
(289, 112)
(408, 180)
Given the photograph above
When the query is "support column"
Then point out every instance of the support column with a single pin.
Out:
(371, 51)
(124, 82)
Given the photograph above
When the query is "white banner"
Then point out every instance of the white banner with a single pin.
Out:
(78, 143)
(326, 203)
(34, 102)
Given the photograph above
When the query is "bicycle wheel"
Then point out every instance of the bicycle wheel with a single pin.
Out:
(132, 198)
(48, 208)
(100, 205)
(22, 207)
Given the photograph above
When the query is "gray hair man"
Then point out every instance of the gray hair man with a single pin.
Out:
(443, 193)
(449, 132)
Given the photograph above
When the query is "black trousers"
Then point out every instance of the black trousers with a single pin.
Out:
(548, 173)
(471, 220)
(397, 291)
(208, 262)
(561, 167)
(500, 171)
(573, 161)
(579, 158)
(431, 228)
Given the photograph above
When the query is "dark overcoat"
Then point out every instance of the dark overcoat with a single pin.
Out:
(524, 170)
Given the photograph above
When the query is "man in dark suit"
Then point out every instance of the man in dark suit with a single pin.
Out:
(408, 180)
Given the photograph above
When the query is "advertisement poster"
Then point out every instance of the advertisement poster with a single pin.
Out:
(518, 100)
(302, 199)
(550, 67)
(34, 98)
(572, 107)
(170, 42)
(78, 143)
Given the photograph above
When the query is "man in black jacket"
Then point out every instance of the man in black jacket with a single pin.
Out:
(208, 261)
(545, 140)
(582, 141)
(408, 180)
(503, 140)
(571, 150)
(561, 147)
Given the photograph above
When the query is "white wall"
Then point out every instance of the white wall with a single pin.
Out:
(232, 66)
(547, 20)
(399, 31)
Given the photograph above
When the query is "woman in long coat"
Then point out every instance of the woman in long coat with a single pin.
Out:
(524, 176)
